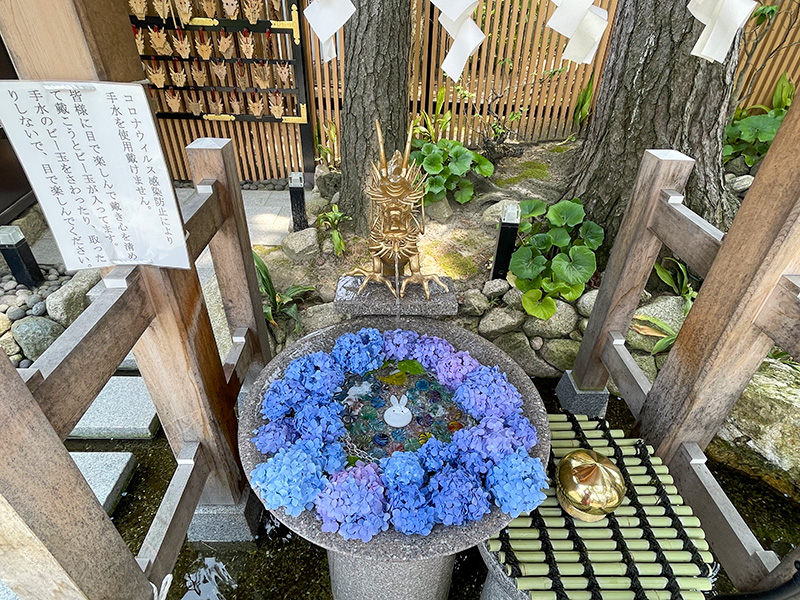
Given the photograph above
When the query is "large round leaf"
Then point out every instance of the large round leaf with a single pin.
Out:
(541, 241)
(460, 160)
(560, 237)
(592, 235)
(532, 208)
(534, 304)
(429, 148)
(577, 267)
(527, 263)
(573, 292)
(482, 165)
(433, 163)
(464, 192)
(435, 185)
(565, 212)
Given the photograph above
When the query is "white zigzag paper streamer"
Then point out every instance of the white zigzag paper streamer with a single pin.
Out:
(722, 20)
(467, 36)
(584, 25)
(326, 17)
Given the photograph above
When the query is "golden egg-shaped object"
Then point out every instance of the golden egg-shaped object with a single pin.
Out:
(588, 485)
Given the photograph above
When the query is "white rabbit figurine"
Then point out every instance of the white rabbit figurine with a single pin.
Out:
(398, 414)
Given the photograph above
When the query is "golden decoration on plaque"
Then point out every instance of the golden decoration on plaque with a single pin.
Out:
(588, 485)
(219, 70)
(209, 7)
(177, 74)
(246, 43)
(182, 44)
(231, 8)
(195, 104)
(138, 37)
(204, 47)
(396, 221)
(236, 106)
(174, 100)
(216, 104)
(158, 40)
(184, 9)
(198, 73)
(163, 8)
(256, 105)
(156, 74)
(284, 71)
(276, 105)
(226, 45)
(252, 10)
(139, 9)
(261, 74)
(240, 71)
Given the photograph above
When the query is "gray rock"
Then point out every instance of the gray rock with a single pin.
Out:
(585, 303)
(8, 344)
(667, 308)
(559, 325)
(10, 285)
(329, 183)
(741, 184)
(53, 277)
(25, 363)
(494, 288)
(315, 204)
(327, 245)
(499, 321)
(33, 300)
(475, 303)
(9, 299)
(560, 353)
(738, 166)
(35, 334)
(38, 309)
(320, 316)
(646, 363)
(23, 293)
(468, 323)
(107, 473)
(20, 301)
(513, 299)
(575, 335)
(122, 410)
(15, 313)
(754, 169)
(3, 308)
(301, 245)
(537, 343)
(376, 299)
(66, 304)
(5, 324)
(490, 218)
(440, 211)
(582, 324)
(660, 360)
(320, 170)
(15, 360)
(729, 177)
(516, 345)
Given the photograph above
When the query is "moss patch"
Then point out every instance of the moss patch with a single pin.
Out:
(530, 169)
(560, 149)
(457, 266)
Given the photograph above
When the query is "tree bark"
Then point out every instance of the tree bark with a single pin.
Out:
(655, 95)
(377, 40)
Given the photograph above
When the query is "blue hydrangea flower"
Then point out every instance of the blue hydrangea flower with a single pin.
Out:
(457, 497)
(486, 392)
(434, 454)
(453, 368)
(318, 373)
(292, 478)
(410, 510)
(354, 503)
(482, 446)
(430, 350)
(402, 469)
(322, 422)
(274, 435)
(399, 344)
(516, 482)
(524, 432)
(334, 457)
(359, 352)
(281, 398)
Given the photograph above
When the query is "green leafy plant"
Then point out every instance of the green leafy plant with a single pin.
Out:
(660, 329)
(782, 356)
(331, 220)
(429, 127)
(447, 162)
(278, 302)
(678, 280)
(555, 255)
(750, 135)
(583, 105)
(327, 152)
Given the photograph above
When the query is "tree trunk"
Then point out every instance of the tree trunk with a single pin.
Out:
(377, 39)
(654, 94)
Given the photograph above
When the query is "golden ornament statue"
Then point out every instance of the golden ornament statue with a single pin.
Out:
(588, 485)
(396, 220)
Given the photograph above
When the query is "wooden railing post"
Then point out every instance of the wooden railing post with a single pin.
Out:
(56, 541)
(719, 347)
(635, 251)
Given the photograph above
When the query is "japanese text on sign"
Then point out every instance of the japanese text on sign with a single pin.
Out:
(92, 155)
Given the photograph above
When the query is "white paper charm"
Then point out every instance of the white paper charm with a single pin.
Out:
(568, 16)
(452, 26)
(722, 19)
(453, 9)
(586, 40)
(326, 17)
(466, 42)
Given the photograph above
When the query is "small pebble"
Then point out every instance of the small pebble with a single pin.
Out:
(24, 364)
(22, 286)
(15, 313)
(52, 272)
(14, 362)
(24, 293)
(29, 312)
(19, 301)
(39, 309)
(7, 278)
(32, 300)
(3, 308)
(52, 277)
(10, 285)
(47, 292)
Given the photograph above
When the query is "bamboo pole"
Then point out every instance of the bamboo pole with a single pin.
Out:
(702, 584)
(607, 545)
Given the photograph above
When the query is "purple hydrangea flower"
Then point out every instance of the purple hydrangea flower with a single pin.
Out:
(323, 422)
(524, 432)
(481, 447)
(453, 368)
(398, 344)
(282, 397)
(457, 496)
(359, 352)
(292, 478)
(318, 373)
(274, 435)
(410, 510)
(486, 392)
(430, 350)
(435, 454)
(354, 503)
(516, 482)
(402, 469)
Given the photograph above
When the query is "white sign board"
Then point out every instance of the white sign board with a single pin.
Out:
(92, 155)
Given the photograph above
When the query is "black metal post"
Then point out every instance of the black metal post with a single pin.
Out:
(19, 257)
(506, 241)
(297, 194)
(306, 131)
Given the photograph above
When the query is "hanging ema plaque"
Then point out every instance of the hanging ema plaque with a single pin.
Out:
(92, 155)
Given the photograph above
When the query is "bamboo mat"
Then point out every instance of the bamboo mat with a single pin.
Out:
(651, 548)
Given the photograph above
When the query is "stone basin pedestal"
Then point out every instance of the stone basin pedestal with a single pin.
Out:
(393, 566)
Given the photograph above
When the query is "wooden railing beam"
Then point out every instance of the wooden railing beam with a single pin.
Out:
(780, 317)
(240, 356)
(202, 217)
(690, 237)
(627, 374)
